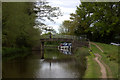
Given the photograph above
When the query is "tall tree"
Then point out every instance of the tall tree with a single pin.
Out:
(98, 20)
(19, 26)
(18, 21)
(45, 12)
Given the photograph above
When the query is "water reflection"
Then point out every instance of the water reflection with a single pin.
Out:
(66, 51)
(56, 69)
(53, 66)
(65, 48)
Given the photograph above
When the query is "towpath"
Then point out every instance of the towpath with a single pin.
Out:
(103, 66)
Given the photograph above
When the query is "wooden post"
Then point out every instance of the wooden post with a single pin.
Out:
(42, 50)
(50, 35)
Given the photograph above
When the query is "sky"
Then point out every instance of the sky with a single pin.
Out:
(67, 7)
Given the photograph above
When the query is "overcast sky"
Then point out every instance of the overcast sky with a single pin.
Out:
(66, 7)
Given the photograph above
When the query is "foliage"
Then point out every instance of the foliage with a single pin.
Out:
(64, 28)
(45, 12)
(12, 53)
(98, 20)
(20, 28)
(18, 21)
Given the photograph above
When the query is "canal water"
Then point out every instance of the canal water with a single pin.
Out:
(57, 64)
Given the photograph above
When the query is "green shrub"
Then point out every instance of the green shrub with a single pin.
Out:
(105, 52)
(14, 52)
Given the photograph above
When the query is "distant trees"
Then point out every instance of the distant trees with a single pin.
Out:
(19, 26)
(99, 21)
(64, 28)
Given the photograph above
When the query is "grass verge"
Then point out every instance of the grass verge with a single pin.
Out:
(93, 69)
(109, 57)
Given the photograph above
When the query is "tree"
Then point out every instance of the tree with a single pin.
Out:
(18, 21)
(98, 20)
(65, 27)
(45, 12)
(19, 26)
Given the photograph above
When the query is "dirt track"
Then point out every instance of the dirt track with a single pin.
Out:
(102, 64)
(97, 46)
(103, 69)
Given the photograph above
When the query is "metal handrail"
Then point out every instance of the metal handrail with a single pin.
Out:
(81, 38)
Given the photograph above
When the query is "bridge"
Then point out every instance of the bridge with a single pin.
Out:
(75, 40)
(56, 39)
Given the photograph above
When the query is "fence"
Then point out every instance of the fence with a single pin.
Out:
(82, 37)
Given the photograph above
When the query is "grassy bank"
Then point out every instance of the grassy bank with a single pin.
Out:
(80, 55)
(93, 69)
(111, 51)
(11, 53)
(110, 57)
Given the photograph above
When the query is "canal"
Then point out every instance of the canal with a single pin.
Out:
(57, 64)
